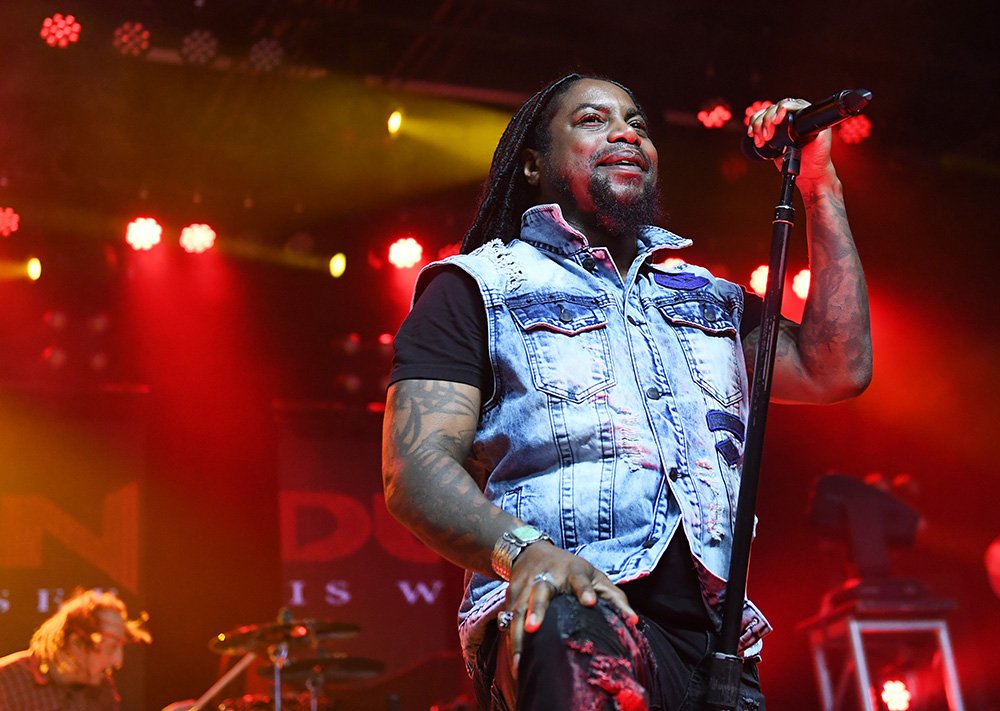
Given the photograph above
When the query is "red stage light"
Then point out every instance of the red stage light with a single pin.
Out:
(754, 108)
(59, 30)
(896, 696)
(9, 221)
(855, 129)
(34, 268)
(131, 39)
(143, 233)
(405, 252)
(758, 280)
(449, 250)
(800, 283)
(715, 114)
(199, 47)
(197, 238)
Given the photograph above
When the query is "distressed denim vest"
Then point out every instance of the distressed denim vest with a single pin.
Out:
(618, 411)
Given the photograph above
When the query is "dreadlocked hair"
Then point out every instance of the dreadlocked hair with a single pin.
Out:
(506, 193)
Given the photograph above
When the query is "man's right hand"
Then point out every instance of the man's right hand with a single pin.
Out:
(542, 571)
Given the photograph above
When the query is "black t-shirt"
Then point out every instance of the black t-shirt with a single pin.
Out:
(445, 338)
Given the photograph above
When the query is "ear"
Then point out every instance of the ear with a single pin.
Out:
(531, 161)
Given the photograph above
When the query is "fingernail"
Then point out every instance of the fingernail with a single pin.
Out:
(517, 661)
(532, 622)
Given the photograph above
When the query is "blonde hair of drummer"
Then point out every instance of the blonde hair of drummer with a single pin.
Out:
(83, 641)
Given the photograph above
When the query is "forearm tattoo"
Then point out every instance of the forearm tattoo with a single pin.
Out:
(835, 337)
(430, 427)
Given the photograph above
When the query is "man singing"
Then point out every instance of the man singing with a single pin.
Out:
(566, 416)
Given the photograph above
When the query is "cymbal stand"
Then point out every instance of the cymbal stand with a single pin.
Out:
(314, 683)
(278, 654)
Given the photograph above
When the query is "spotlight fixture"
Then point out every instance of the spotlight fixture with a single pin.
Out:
(131, 39)
(338, 265)
(197, 238)
(9, 221)
(266, 55)
(143, 233)
(800, 283)
(395, 122)
(199, 47)
(855, 129)
(60, 30)
(758, 280)
(405, 252)
(715, 113)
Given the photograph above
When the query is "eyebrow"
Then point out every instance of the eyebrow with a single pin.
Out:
(631, 112)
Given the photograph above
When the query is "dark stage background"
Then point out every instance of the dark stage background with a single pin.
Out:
(206, 426)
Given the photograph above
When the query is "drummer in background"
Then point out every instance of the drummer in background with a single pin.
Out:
(70, 661)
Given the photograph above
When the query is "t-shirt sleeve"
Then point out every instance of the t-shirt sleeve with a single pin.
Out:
(753, 312)
(444, 337)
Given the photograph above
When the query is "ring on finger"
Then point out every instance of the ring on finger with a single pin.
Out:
(544, 577)
(504, 618)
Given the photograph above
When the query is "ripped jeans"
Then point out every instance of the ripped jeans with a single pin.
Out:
(590, 659)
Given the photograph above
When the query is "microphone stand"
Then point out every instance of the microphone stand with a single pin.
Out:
(727, 664)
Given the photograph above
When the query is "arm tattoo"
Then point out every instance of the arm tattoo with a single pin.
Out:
(430, 426)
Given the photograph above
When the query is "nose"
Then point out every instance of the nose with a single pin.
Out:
(622, 130)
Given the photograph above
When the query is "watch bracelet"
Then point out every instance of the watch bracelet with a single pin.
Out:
(507, 549)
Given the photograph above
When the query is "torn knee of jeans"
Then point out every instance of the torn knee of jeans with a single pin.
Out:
(613, 677)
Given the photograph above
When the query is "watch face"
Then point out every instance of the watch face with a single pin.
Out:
(526, 534)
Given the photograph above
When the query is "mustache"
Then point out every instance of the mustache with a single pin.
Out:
(632, 153)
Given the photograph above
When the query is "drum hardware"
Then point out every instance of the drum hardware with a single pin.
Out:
(276, 641)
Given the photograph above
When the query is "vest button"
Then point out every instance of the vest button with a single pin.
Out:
(589, 263)
(674, 474)
(564, 315)
(710, 312)
(653, 393)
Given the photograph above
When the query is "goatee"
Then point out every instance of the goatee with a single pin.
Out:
(624, 216)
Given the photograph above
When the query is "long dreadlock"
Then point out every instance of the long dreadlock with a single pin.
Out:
(506, 193)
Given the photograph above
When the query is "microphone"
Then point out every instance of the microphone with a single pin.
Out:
(800, 127)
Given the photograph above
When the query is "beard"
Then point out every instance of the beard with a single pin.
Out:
(624, 216)
(620, 216)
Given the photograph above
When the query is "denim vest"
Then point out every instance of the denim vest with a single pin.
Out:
(618, 409)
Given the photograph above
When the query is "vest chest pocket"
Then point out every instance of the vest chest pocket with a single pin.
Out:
(707, 333)
(566, 341)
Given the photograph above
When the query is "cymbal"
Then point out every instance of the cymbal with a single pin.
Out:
(257, 638)
(331, 668)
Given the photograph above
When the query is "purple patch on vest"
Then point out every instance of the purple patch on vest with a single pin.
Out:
(683, 280)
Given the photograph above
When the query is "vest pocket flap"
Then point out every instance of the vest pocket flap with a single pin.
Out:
(708, 315)
(561, 315)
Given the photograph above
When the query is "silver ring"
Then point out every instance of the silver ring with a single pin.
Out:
(544, 577)
(503, 619)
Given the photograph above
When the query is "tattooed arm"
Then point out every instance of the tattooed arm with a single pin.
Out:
(426, 435)
(828, 357)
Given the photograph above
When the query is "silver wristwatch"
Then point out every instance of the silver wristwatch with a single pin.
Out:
(509, 546)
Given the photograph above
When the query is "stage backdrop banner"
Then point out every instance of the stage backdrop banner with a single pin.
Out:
(346, 560)
(71, 483)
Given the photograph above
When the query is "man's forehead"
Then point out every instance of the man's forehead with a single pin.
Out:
(597, 93)
(110, 621)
